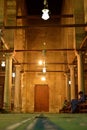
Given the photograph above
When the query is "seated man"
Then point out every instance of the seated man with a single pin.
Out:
(65, 104)
(75, 102)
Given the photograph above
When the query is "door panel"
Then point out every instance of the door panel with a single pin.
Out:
(41, 98)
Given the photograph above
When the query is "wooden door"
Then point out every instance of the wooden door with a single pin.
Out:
(41, 99)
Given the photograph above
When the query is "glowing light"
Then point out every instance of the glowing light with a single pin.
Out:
(43, 78)
(44, 70)
(3, 63)
(13, 74)
(40, 62)
(45, 14)
(69, 82)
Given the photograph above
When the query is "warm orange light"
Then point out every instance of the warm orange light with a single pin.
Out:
(44, 70)
(69, 82)
(43, 78)
(40, 62)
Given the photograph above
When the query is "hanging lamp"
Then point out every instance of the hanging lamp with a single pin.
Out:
(45, 11)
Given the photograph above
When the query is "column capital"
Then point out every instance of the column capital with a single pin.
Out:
(66, 73)
(9, 55)
(72, 66)
(78, 53)
(17, 65)
(1, 32)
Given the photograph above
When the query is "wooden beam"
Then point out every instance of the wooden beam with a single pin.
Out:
(39, 16)
(48, 63)
(41, 71)
(7, 51)
(46, 25)
(59, 49)
(40, 50)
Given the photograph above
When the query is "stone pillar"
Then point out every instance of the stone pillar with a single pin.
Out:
(17, 95)
(78, 11)
(67, 87)
(10, 20)
(8, 82)
(80, 72)
(22, 92)
(72, 78)
(1, 12)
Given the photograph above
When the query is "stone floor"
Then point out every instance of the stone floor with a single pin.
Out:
(46, 121)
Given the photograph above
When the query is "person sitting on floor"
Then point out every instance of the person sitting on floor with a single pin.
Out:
(75, 102)
(65, 106)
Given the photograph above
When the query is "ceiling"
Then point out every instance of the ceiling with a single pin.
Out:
(49, 33)
(34, 7)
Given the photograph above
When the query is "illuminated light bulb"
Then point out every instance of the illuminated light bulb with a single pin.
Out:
(44, 70)
(69, 82)
(3, 63)
(40, 62)
(43, 78)
(45, 14)
(13, 74)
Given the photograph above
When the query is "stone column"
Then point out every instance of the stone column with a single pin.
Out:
(10, 20)
(72, 78)
(17, 95)
(78, 11)
(80, 72)
(8, 82)
(67, 86)
(1, 12)
(22, 92)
